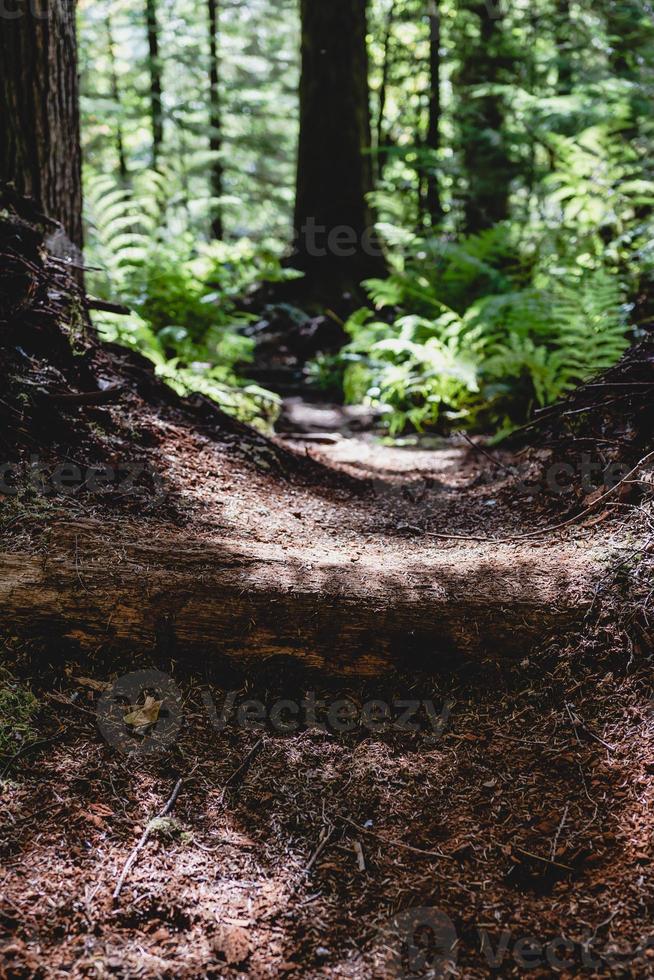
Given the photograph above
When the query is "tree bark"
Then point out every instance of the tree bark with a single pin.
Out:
(39, 136)
(487, 57)
(215, 138)
(156, 82)
(111, 589)
(434, 206)
(115, 95)
(335, 242)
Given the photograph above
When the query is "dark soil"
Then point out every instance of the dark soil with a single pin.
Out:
(526, 820)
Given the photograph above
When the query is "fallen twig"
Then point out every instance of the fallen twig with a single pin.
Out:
(555, 842)
(325, 837)
(131, 860)
(543, 860)
(30, 747)
(396, 843)
(576, 720)
(87, 397)
(484, 452)
(240, 771)
(106, 307)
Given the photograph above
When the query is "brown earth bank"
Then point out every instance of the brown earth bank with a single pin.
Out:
(474, 799)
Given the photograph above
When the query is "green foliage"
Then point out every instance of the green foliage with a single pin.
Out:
(17, 708)
(183, 296)
(544, 150)
(488, 360)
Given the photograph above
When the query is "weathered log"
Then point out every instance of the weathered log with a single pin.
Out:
(98, 588)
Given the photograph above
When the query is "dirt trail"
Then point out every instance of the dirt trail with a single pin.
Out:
(356, 578)
(454, 811)
(465, 818)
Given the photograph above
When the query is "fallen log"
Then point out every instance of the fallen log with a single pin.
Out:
(113, 588)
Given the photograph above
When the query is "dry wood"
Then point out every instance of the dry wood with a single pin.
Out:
(132, 859)
(259, 600)
(249, 600)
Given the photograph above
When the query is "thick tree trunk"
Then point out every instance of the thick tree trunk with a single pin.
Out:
(434, 206)
(215, 139)
(335, 243)
(39, 134)
(156, 82)
(111, 589)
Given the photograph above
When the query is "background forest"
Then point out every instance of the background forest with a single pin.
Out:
(507, 169)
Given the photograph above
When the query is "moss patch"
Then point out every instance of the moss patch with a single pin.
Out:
(17, 708)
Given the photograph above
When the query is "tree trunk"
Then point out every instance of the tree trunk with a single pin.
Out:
(39, 142)
(487, 57)
(434, 206)
(335, 245)
(380, 147)
(564, 45)
(215, 139)
(114, 590)
(115, 95)
(156, 84)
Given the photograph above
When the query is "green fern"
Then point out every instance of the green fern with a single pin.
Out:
(189, 330)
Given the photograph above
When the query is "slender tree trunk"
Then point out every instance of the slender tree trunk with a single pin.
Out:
(115, 95)
(156, 83)
(215, 138)
(623, 20)
(564, 46)
(335, 246)
(39, 106)
(422, 187)
(380, 140)
(487, 57)
(434, 206)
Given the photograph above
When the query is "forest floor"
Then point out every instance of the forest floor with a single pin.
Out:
(169, 811)
(488, 817)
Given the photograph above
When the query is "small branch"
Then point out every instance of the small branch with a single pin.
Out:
(484, 452)
(555, 842)
(69, 264)
(242, 769)
(131, 860)
(87, 397)
(106, 307)
(554, 527)
(543, 860)
(576, 720)
(325, 837)
(396, 843)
